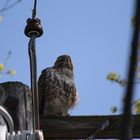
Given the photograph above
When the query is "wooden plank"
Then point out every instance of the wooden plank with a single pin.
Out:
(82, 127)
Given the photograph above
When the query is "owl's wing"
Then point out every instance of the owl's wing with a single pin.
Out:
(41, 88)
(73, 97)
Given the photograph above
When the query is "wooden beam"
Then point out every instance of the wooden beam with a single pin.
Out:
(82, 127)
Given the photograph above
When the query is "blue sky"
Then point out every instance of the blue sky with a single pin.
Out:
(95, 33)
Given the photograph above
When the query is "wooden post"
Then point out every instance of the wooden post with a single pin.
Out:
(15, 97)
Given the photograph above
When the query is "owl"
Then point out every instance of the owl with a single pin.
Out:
(56, 88)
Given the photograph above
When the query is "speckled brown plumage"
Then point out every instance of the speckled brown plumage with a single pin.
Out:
(57, 91)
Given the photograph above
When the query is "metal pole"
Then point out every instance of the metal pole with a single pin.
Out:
(127, 118)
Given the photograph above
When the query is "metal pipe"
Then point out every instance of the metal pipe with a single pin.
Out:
(34, 85)
(7, 118)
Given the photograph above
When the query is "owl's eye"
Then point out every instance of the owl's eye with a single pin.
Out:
(61, 59)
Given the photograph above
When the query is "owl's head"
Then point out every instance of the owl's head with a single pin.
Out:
(63, 61)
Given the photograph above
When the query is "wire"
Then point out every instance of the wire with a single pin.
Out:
(34, 10)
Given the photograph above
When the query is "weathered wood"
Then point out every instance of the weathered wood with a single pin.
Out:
(15, 97)
(82, 127)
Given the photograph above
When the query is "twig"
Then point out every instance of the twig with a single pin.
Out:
(7, 58)
(5, 7)
(102, 127)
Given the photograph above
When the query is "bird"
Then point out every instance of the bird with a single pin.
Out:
(56, 88)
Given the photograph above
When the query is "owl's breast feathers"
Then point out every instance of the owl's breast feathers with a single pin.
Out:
(57, 84)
